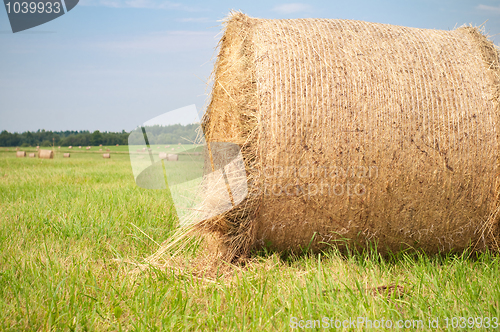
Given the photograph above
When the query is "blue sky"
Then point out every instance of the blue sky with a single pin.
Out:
(113, 64)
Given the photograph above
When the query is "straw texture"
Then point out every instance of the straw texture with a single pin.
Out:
(358, 132)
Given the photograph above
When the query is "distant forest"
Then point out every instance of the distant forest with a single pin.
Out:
(172, 134)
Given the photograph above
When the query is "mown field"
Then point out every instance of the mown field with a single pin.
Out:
(68, 227)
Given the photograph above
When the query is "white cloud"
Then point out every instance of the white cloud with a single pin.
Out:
(162, 42)
(291, 8)
(148, 4)
(491, 9)
(194, 19)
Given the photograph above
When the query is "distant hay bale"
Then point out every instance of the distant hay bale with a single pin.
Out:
(66, 155)
(100, 144)
(172, 157)
(117, 144)
(356, 132)
(46, 154)
(108, 150)
(20, 154)
(58, 147)
(32, 155)
(173, 149)
(80, 147)
(162, 155)
(106, 155)
(70, 147)
(100, 149)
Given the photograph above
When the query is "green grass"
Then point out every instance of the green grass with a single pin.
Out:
(65, 222)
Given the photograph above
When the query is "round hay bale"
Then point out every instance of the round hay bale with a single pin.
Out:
(70, 147)
(106, 155)
(172, 157)
(32, 155)
(46, 154)
(162, 155)
(117, 144)
(100, 149)
(20, 154)
(356, 132)
(80, 147)
(66, 155)
(108, 150)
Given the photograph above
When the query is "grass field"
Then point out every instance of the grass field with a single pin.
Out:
(66, 225)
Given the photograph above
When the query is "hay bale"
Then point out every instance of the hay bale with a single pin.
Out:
(162, 155)
(172, 157)
(20, 154)
(80, 147)
(108, 150)
(32, 155)
(117, 144)
(66, 155)
(358, 131)
(70, 147)
(106, 155)
(46, 154)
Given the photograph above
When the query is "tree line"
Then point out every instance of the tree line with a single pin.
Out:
(172, 134)
(62, 138)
